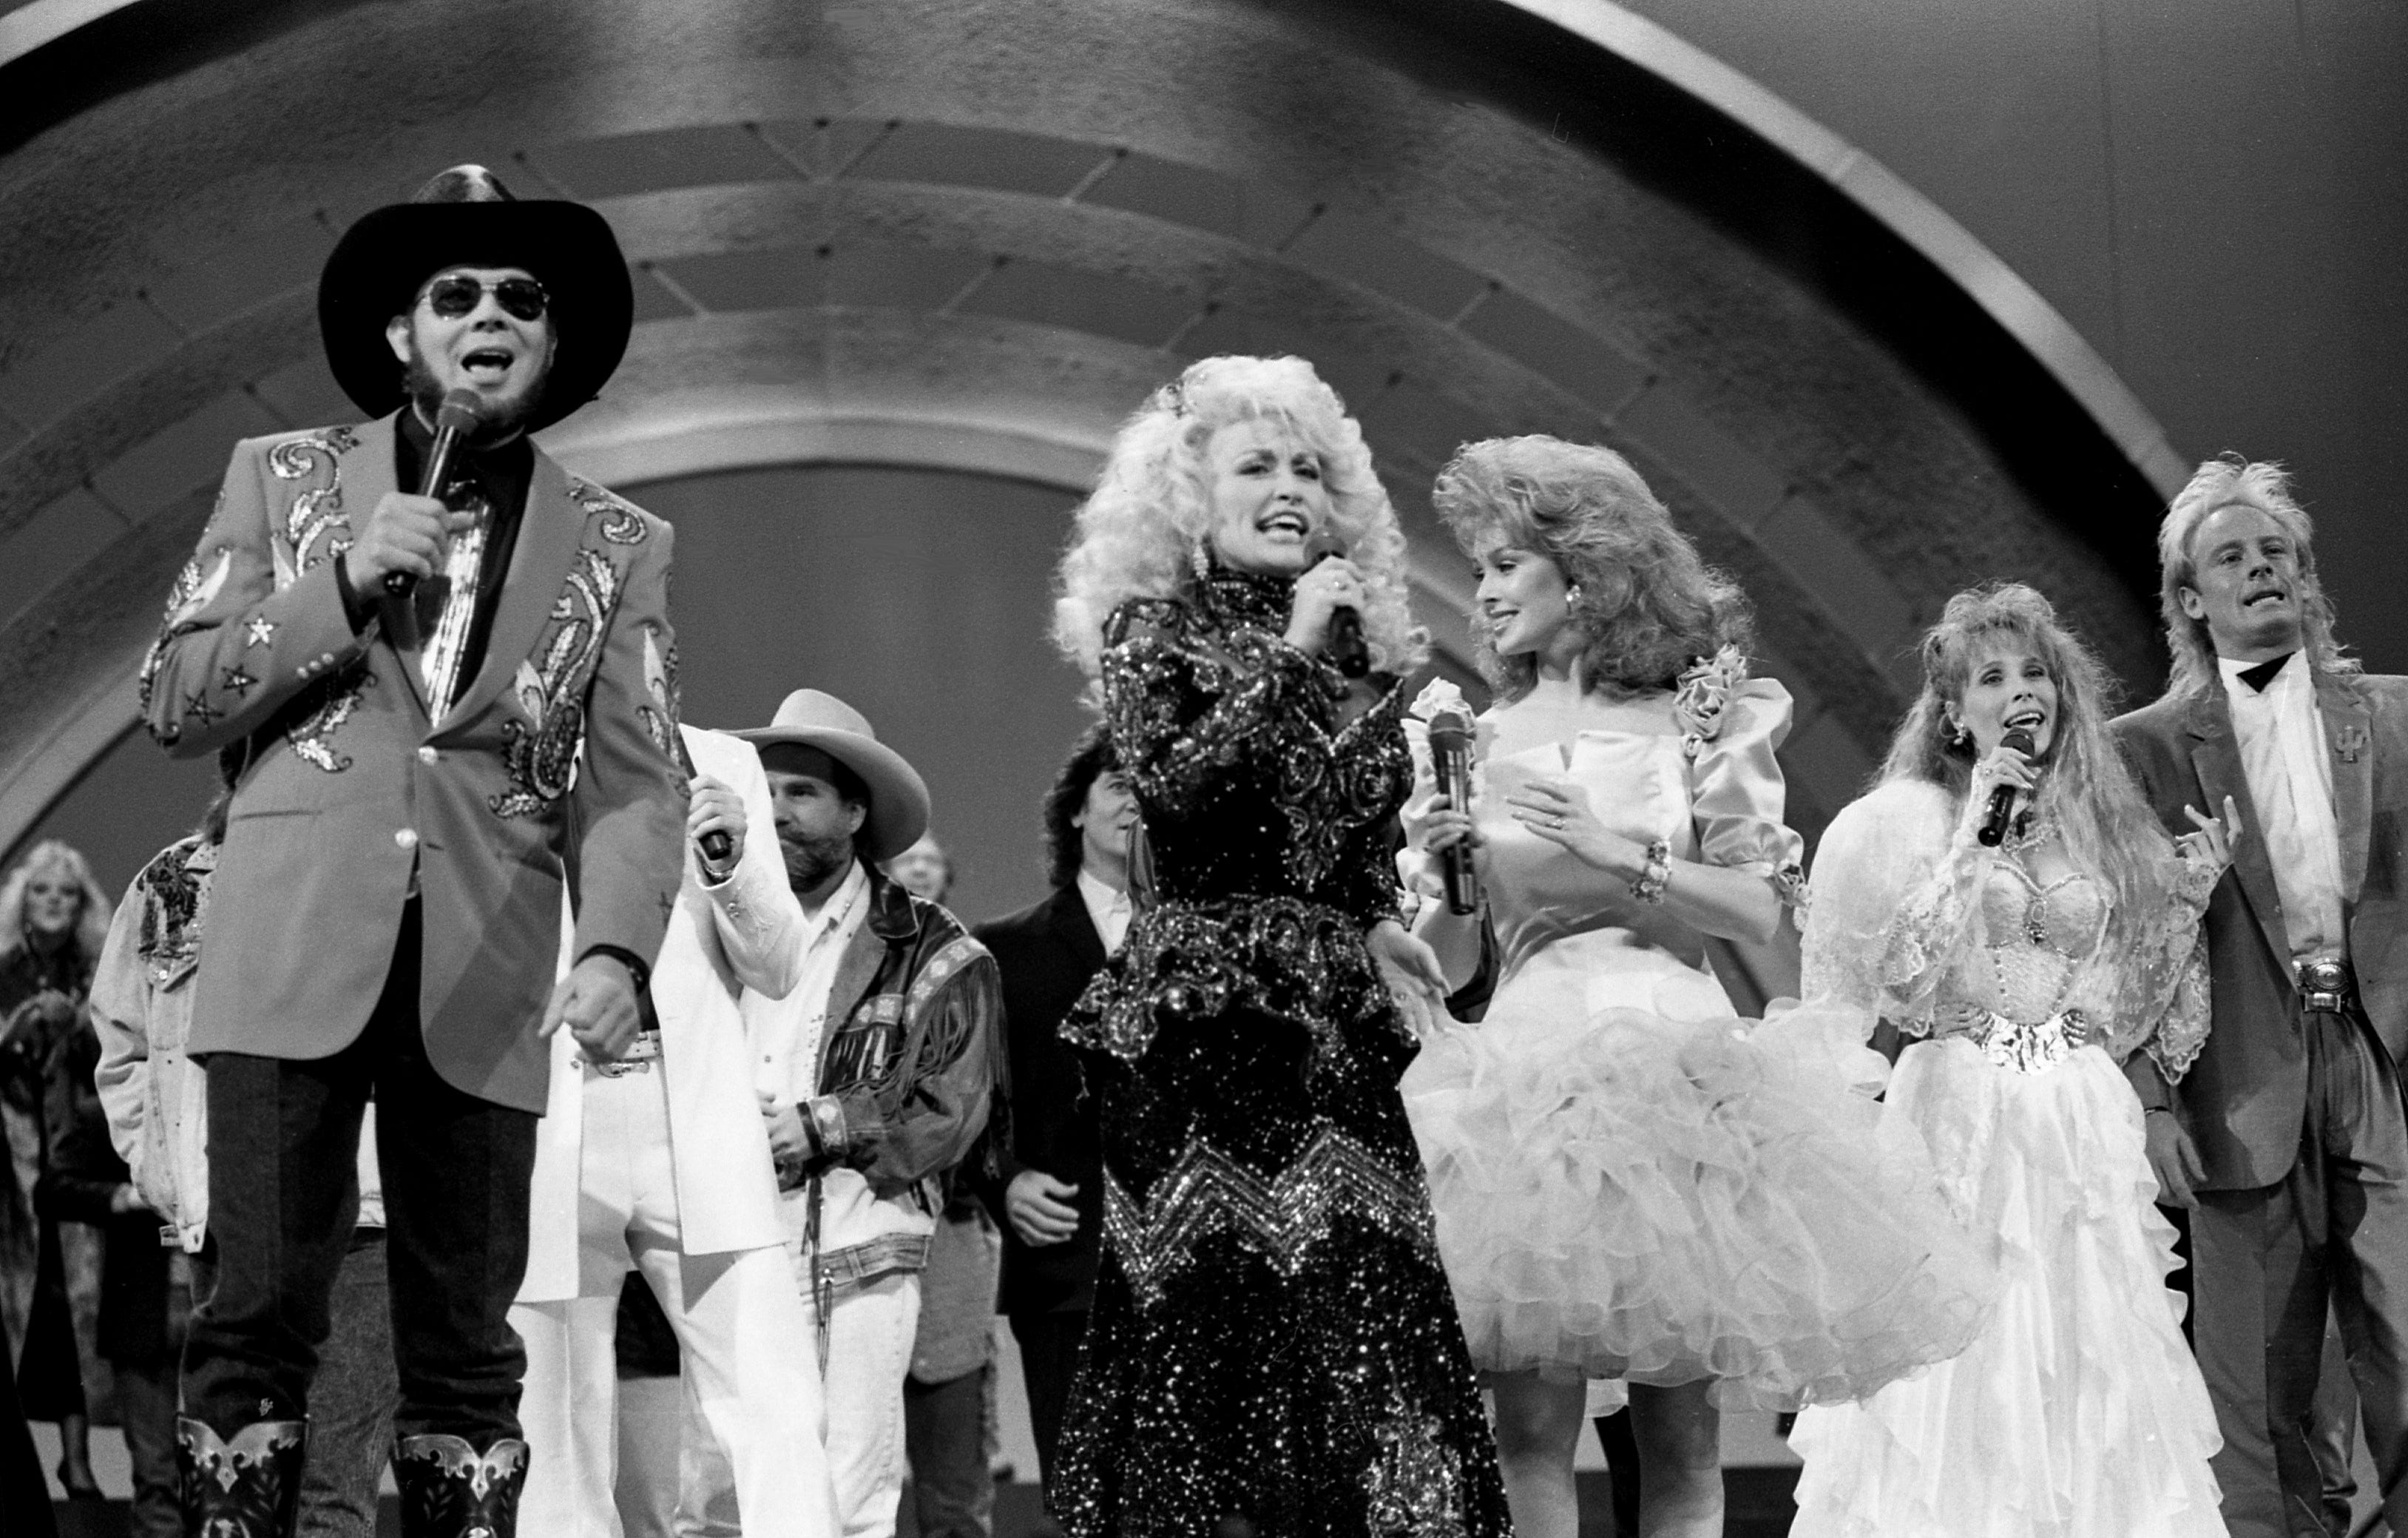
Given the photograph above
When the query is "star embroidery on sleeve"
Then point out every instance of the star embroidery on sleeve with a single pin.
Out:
(197, 706)
(236, 681)
(258, 631)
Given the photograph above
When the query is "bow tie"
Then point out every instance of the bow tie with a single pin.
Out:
(2263, 674)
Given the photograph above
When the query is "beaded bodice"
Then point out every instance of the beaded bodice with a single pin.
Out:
(1911, 921)
(2036, 937)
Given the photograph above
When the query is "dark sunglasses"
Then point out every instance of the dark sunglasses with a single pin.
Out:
(458, 294)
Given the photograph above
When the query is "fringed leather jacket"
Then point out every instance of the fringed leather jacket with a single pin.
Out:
(908, 1067)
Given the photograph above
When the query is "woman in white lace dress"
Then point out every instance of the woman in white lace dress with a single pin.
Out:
(2023, 974)
(1631, 1181)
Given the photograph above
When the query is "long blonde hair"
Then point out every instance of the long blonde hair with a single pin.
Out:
(1647, 605)
(2086, 794)
(1138, 532)
(92, 914)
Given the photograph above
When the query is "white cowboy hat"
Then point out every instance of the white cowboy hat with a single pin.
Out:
(898, 798)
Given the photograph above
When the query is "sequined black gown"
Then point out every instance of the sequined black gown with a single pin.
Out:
(1272, 1336)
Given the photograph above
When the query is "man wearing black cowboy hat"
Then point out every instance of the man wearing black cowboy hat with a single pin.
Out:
(874, 1074)
(449, 708)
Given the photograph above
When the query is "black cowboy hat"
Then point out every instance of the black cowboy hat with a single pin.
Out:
(464, 215)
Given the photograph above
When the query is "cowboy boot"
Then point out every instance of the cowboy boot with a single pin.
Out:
(248, 1487)
(451, 1490)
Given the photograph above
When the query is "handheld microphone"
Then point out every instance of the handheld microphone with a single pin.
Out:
(715, 845)
(460, 415)
(1449, 742)
(1345, 645)
(1993, 830)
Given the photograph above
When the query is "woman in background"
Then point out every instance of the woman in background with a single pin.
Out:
(1631, 1181)
(54, 920)
(1271, 1339)
(2023, 973)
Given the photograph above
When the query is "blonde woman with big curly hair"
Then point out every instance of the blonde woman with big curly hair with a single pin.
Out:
(1632, 1183)
(53, 921)
(2022, 972)
(1271, 1337)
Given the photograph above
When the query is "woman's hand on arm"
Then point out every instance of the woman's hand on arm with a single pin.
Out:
(1727, 903)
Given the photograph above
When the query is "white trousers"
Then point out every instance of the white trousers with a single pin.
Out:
(870, 1332)
(745, 1337)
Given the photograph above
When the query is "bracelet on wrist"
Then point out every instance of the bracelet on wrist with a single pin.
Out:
(1656, 874)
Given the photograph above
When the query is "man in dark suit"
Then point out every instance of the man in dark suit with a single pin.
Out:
(448, 709)
(1050, 1187)
(2287, 1138)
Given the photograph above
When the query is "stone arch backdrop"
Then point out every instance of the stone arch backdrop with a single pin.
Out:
(959, 239)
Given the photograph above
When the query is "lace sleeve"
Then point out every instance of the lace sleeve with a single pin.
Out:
(1890, 909)
(1186, 720)
(2156, 999)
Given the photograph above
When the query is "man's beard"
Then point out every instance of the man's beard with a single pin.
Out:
(497, 420)
(810, 862)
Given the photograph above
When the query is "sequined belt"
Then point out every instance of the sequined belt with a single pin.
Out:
(2030, 1048)
(1282, 1218)
(1284, 957)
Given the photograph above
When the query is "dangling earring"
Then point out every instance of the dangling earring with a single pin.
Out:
(1572, 596)
(1959, 736)
(1200, 556)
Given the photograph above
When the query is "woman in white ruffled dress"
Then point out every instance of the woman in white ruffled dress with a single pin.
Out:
(1630, 1180)
(2023, 974)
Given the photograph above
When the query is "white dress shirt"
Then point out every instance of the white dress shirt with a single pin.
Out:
(1109, 907)
(2285, 756)
(786, 1033)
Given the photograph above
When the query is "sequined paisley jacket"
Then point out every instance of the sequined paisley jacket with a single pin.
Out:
(1266, 812)
(351, 796)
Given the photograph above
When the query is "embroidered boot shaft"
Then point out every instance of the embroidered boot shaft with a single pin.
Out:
(451, 1490)
(247, 1487)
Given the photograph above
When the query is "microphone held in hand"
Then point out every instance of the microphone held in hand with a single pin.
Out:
(1345, 646)
(1993, 830)
(715, 845)
(1449, 742)
(458, 417)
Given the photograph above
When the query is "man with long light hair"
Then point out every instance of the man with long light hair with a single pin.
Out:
(2288, 1141)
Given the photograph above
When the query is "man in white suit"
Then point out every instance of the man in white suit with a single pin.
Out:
(660, 1162)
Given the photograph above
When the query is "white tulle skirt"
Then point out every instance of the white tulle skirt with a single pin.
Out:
(2078, 1411)
(1647, 1194)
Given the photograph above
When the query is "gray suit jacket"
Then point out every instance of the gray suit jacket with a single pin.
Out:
(557, 762)
(2246, 1095)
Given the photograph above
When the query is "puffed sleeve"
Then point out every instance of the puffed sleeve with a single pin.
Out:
(1735, 785)
(1888, 913)
(2152, 997)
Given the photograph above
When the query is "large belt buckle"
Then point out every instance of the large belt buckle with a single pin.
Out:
(638, 1059)
(2324, 985)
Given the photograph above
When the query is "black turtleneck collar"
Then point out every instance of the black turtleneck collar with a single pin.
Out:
(2263, 673)
(1259, 598)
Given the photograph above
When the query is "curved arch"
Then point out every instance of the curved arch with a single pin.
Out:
(1060, 211)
